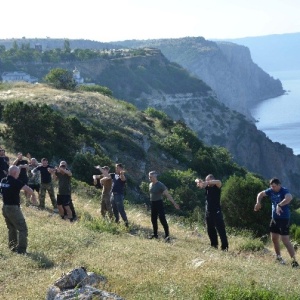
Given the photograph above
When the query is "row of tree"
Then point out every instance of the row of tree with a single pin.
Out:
(24, 53)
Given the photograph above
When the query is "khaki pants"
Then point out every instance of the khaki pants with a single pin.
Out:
(50, 189)
(106, 206)
(17, 228)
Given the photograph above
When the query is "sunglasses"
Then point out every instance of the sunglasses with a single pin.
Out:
(62, 166)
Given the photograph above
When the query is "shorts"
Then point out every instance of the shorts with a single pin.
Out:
(63, 200)
(280, 226)
(35, 187)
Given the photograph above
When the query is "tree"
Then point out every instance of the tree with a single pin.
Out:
(238, 199)
(39, 130)
(67, 48)
(61, 79)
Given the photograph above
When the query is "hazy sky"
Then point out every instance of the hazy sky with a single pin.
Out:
(114, 20)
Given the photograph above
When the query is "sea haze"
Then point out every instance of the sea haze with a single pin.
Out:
(279, 118)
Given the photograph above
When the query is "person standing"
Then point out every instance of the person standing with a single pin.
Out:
(23, 165)
(46, 183)
(213, 213)
(63, 175)
(117, 194)
(280, 218)
(12, 213)
(4, 164)
(106, 183)
(157, 190)
(34, 179)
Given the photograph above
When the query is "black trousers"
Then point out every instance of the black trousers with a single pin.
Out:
(157, 211)
(215, 225)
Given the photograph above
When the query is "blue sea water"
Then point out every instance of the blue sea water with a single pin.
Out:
(279, 118)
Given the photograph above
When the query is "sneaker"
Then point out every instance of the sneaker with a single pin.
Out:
(280, 260)
(55, 210)
(153, 236)
(167, 239)
(294, 264)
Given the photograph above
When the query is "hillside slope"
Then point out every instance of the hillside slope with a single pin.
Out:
(136, 267)
(131, 137)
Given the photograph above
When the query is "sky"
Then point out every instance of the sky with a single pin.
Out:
(118, 20)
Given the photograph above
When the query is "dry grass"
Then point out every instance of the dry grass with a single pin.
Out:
(136, 268)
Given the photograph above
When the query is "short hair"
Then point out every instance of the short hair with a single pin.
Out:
(275, 180)
(153, 173)
(210, 176)
(120, 166)
(43, 159)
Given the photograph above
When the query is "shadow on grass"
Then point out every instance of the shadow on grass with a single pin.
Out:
(42, 261)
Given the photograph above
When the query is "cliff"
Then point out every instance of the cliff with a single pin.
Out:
(152, 80)
(226, 67)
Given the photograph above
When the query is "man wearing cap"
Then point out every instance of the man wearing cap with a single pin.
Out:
(12, 213)
(63, 175)
(106, 182)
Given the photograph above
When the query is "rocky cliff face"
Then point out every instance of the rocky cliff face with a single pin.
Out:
(152, 80)
(216, 124)
(226, 67)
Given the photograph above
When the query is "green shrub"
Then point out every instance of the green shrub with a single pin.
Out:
(96, 88)
(238, 198)
(252, 245)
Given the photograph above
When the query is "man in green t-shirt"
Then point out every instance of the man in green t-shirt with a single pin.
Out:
(63, 175)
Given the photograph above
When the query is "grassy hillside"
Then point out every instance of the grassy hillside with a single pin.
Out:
(138, 268)
(135, 267)
(123, 133)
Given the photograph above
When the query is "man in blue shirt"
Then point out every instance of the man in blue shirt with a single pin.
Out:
(280, 222)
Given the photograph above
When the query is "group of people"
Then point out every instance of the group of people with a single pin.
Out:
(30, 177)
(280, 217)
(33, 176)
(113, 196)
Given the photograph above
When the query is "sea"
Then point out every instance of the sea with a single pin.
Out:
(279, 118)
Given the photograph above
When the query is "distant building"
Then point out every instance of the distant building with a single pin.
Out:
(18, 76)
(38, 47)
(76, 76)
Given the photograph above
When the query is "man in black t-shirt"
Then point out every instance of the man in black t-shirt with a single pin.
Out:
(12, 213)
(4, 164)
(213, 214)
(23, 166)
(46, 183)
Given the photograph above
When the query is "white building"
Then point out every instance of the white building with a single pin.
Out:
(18, 76)
(76, 76)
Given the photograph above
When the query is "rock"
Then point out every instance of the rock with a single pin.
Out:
(79, 284)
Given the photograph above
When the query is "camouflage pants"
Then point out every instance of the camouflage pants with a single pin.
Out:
(50, 189)
(17, 228)
(106, 206)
